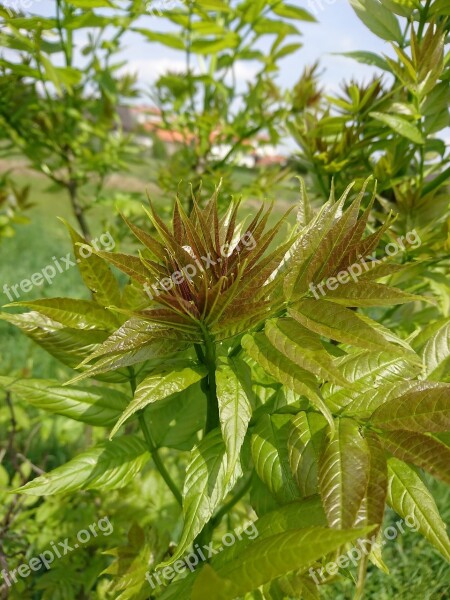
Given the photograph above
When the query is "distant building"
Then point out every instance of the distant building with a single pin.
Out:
(146, 123)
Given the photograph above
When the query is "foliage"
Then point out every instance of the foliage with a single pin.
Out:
(313, 413)
(13, 203)
(219, 119)
(394, 127)
(63, 119)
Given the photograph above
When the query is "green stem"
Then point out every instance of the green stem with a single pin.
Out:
(208, 356)
(423, 19)
(157, 460)
(205, 536)
(152, 447)
(362, 573)
(229, 505)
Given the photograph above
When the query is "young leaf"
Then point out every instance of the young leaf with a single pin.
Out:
(304, 348)
(344, 474)
(270, 456)
(425, 409)
(264, 560)
(410, 498)
(160, 385)
(235, 412)
(206, 484)
(285, 371)
(379, 19)
(365, 293)
(401, 126)
(436, 354)
(95, 272)
(339, 323)
(307, 433)
(78, 314)
(97, 406)
(66, 344)
(421, 450)
(107, 466)
(371, 511)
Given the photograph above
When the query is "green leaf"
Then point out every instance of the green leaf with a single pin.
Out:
(304, 348)
(371, 375)
(215, 5)
(95, 272)
(79, 314)
(307, 434)
(296, 515)
(175, 424)
(368, 58)
(270, 26)
(410, 498)
(422, 450)
(401, 126)
(70, 346)
(425, 409)
(91, 3)
(270, 456)
(266, 559)
(285, 371)
(97, 406)
(160, 385)
(205, 487)
(436, 355)
(338, 323)
(371, 511)
(365, 402)
(171, 40)
(380, 20)
(289, 11)
(235, 412)
(107, 466)
(344, 474)
(208, 46)
(299, 514)
(364, 293)
(158, 348)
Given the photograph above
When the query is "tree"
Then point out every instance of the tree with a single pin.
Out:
(205, 104)
(63, 119)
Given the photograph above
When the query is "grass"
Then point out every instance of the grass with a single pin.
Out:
(416, 569)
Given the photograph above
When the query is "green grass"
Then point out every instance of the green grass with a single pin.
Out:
(416, 569)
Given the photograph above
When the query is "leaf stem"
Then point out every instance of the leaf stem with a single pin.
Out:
(152, 447)
(233, 501)
(362, 573)
(207, 355)
(157, 460)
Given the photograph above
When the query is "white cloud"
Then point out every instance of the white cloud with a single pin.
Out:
(149, 69)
